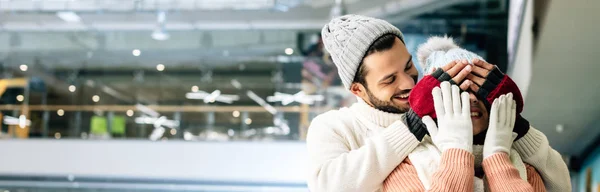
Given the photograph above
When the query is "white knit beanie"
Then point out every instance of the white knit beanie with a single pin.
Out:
(348, 38)
(439, 51)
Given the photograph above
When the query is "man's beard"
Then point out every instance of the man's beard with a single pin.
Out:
(386, 106)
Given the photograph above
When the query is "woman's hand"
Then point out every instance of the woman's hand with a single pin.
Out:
(453, 112)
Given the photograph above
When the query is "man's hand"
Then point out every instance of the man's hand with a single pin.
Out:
(481, 70)
(455, 71)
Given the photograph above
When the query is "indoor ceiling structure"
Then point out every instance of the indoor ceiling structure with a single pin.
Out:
(66, 41)
(114, 48)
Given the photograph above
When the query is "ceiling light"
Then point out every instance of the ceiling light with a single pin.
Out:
(72, 88)
(289, 51)
(96, 98)
(160, 67)
(236, 114)
(248, 121)
(195, 88)
(236, 84)
(20, 98)
(560, 128)
(23, 122)
(57, 135)
(23, 67)
(130, 113)
(160, 35)
(147, 110)
(187, 136)
(261, 102)
(60, 112)
(173, 131)
(212, 97)
(136, 52)
(69, 16)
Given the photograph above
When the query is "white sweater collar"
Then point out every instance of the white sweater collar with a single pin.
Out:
(381, 118)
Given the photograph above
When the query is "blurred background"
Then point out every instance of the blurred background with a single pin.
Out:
(217, 95)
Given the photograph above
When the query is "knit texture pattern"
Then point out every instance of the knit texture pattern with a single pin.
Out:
(348, 38)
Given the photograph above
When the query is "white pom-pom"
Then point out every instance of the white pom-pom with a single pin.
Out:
(434, 44)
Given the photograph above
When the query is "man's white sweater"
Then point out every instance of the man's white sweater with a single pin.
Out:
(356, 148)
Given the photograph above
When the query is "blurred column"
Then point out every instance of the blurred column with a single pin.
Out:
(244, 116)
(177, 117)
(45, 116)
(109, 121)
(77, 122)
(45, 120)
(210, 120)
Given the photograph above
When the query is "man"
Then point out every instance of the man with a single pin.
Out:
(356, 148)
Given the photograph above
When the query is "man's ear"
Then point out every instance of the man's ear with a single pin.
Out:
(358, 90)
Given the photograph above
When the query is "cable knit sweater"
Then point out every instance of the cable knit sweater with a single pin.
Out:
(356, 148)
(456, 174)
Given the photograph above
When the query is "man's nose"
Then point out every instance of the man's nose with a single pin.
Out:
(405, 82)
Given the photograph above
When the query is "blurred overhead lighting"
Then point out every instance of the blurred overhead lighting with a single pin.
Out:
(236, 84)
(147, 110)
(23, 67)
(157, 133)
(195, 88)
(560, 128)
(72, 88)
(188, 136)
(236, 114)
(69, 16)
(289, 51)
(20, 98)
(173, 131)
(160, 67)
(248, 121)
(157, 122)
(235, 4)
(160, 34)
(136, 52)
(338, 9)
(281, 8)
(212, 97)
(96, 98)
(161, 17)
(261, 102)
(23, 122)
(60, 112)
(130, 113)
(299, 97)
(16, 121)
(57, 135)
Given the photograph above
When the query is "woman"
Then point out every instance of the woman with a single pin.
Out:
(450, 160)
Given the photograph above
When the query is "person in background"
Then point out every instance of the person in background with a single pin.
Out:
(356, 148)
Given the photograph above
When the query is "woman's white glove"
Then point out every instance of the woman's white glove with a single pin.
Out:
(499, 137)
(453, 112)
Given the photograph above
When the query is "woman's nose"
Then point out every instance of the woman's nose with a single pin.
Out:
(473, 98)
